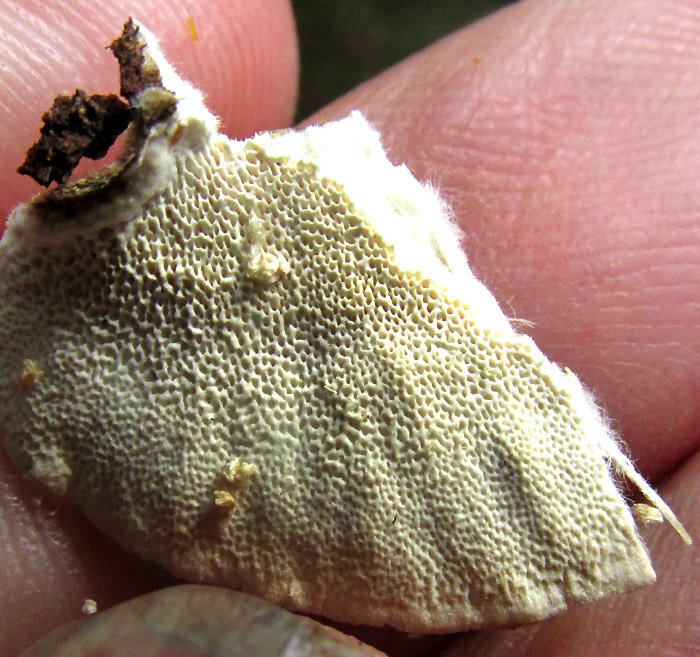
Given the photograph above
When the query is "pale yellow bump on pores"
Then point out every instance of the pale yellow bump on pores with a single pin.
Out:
(30, 374)
(235, 478)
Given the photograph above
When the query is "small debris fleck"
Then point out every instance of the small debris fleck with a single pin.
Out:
(193, 28)
(89, 607)
(30, 374)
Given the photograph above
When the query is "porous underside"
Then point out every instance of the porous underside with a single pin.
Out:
(404, 464)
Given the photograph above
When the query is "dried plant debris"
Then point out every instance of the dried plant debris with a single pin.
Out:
(137, 70)
(75, 127)
(85, 125)
(266, 364)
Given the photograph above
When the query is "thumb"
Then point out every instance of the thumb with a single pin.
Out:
(198, 621)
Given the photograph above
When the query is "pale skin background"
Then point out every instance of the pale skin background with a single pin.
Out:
(566, 136)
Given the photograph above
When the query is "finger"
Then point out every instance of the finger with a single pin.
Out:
(657, 619)
(564, 136)
(201, 621)
(241, 54)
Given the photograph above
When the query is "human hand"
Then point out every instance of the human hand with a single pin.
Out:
(564, 136)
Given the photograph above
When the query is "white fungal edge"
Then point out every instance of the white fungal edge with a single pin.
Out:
(409, 216)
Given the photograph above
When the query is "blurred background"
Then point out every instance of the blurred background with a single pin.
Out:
(344, 42)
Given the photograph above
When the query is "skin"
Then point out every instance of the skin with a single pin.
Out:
(564, 135)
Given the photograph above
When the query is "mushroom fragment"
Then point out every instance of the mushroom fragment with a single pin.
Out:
(295, 312)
